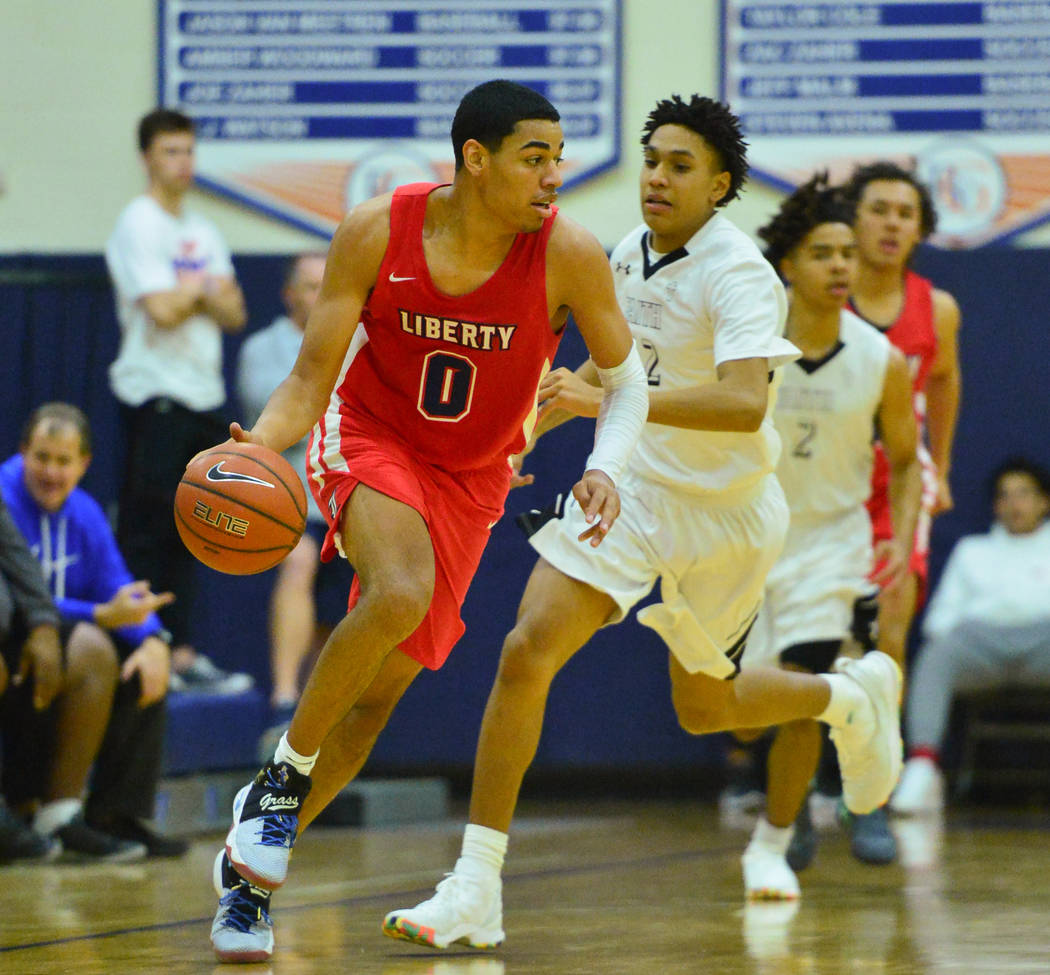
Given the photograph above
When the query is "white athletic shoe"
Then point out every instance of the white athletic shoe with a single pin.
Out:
(462, 911)
(767, 876)
(242, 930)
(869, 741)
(920, 790)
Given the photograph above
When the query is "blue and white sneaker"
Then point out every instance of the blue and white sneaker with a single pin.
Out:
(265, 824)
(242, 930)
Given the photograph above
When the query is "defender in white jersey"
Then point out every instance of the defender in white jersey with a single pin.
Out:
(701, 510)
(849, 383)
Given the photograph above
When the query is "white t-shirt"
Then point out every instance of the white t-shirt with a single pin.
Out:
(147, 252)
(264, 362)
(995, 578)
(825, 416)
(714, 300)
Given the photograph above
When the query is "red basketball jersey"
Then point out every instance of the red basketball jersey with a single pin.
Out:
(453, 376)
(914, 334)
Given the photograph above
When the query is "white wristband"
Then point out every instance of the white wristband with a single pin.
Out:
(621, 416)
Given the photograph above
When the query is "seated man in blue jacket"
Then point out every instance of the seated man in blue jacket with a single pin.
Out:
(103, 608)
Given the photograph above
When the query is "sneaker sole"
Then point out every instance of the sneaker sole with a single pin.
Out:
(258, 879)
(242, 957)
(887, 714)
(395, 926)
(771, 894)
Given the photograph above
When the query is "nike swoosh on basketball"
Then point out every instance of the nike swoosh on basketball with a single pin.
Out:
(216, 473)
(394, 278)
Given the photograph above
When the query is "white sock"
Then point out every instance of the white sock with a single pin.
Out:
(845, 696)
(285, 753)
(771, 837)
(483, 852)
(52, 816)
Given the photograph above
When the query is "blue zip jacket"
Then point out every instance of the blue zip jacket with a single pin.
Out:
(76, 549)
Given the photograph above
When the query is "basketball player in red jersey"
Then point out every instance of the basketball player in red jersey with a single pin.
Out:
(462, 292)
(894, 213)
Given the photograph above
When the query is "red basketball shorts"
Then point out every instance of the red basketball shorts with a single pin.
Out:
(882, 516)
(459, 509)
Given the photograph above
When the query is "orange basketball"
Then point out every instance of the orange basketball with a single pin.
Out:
(240, 508)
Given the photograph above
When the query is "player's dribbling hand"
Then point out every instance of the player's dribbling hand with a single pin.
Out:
(237, 435)
(600, 502)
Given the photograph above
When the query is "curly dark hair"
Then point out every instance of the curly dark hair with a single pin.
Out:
(813, 203)
(854, 188)
(715, 124)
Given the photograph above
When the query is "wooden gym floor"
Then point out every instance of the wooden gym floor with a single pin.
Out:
(609, 887)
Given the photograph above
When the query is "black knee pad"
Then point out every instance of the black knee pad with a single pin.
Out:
(816, 656)
(865, 626)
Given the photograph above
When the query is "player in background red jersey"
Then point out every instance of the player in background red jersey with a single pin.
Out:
(461, 292)
(894, 214)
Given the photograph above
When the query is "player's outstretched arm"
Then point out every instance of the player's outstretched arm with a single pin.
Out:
(350, 273)
(899, 434)
(582, 283)
(943, 391)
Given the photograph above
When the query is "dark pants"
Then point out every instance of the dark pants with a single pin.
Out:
(162, 438)
(124, 780)
(128, 767)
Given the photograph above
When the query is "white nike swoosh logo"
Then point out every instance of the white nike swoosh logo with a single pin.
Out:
(216, 473)
(394, 278)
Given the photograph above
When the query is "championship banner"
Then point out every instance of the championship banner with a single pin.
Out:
(959, 90)
(305, 108)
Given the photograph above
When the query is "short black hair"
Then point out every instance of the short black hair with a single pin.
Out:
(489, 112)
(160, 121)
(59, 414)
(1020, 465)
(715, 124)
(854, 188)
(813, 203)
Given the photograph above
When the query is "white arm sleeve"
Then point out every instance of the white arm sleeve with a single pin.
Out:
(621, 417)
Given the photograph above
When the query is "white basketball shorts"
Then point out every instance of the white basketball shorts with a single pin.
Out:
(711, 555)
(811, 590)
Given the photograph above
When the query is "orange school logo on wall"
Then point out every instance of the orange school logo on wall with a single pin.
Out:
(304, 110)
(957, 91)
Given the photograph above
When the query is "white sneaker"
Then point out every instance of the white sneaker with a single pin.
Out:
(767, 876)
(920, 790)
(462, 911)
(869, 741)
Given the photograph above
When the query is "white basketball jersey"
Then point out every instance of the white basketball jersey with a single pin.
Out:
(825, 415)
(714, 300)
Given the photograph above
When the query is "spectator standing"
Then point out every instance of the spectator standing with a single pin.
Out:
(176, 294)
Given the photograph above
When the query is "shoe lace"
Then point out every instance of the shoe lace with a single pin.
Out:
(243, 909)
(278, 830)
